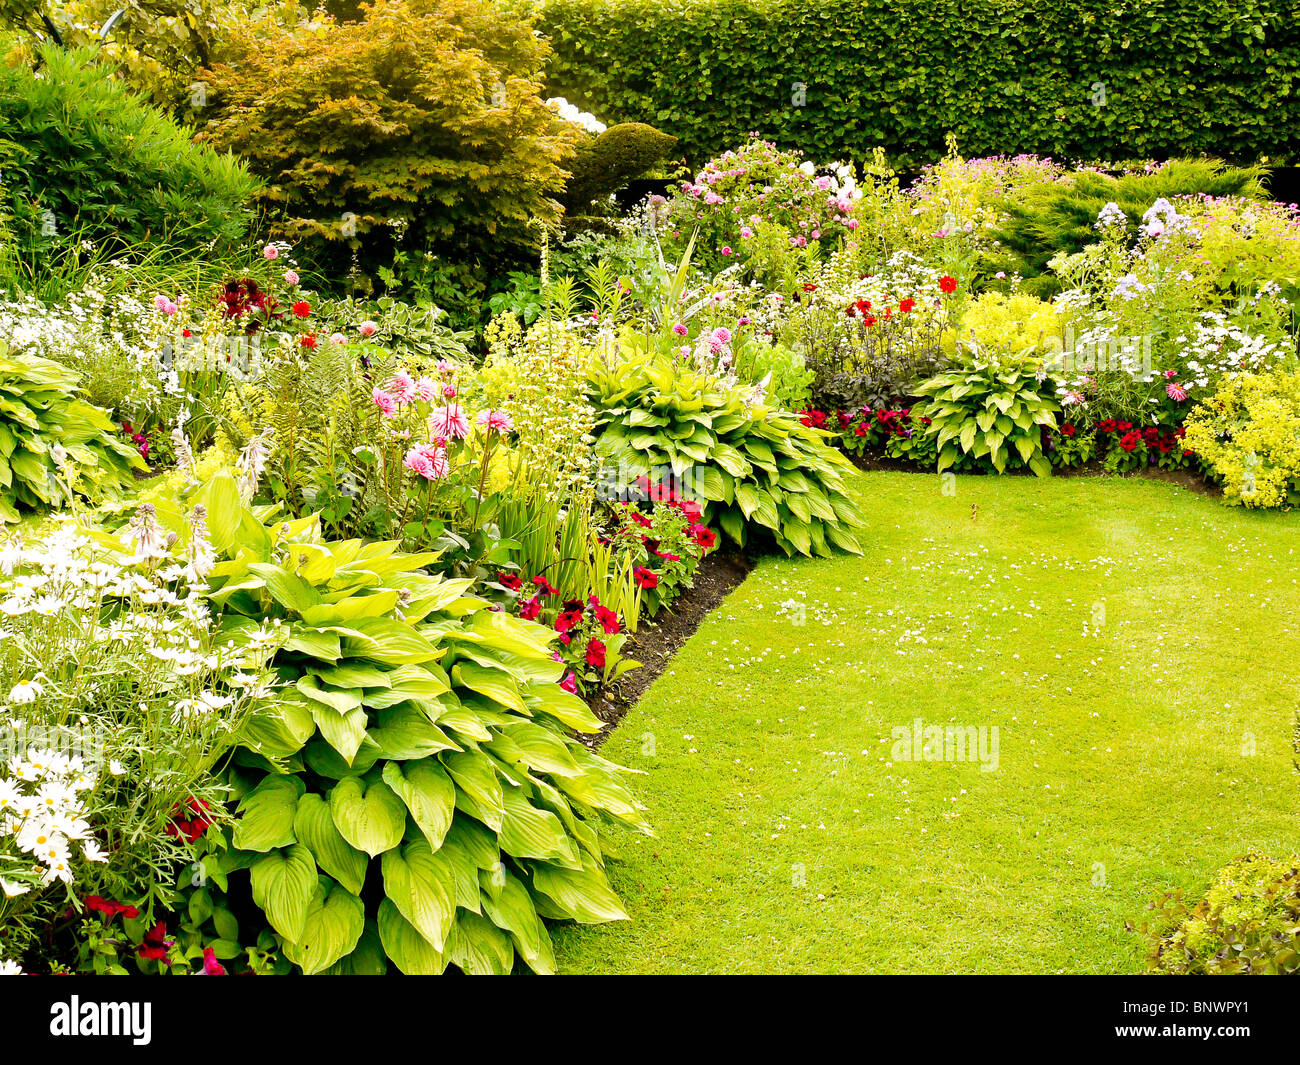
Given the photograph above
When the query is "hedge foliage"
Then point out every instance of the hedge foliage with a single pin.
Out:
(1089, 79)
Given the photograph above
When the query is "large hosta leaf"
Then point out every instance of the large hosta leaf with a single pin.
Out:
(410, 952)
(331, 929)
(369, 816)
(266, 814)
(419, 887)
(315, 828)
(428, 793)
(284, 882)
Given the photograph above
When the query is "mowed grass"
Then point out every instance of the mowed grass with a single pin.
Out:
(1136, 647)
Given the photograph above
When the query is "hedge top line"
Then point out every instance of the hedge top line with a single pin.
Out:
(1072, 79)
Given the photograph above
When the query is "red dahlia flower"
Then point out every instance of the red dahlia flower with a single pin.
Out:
(947, 284)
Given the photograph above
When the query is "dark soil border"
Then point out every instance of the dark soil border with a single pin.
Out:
(1188, 479)
(659, 639)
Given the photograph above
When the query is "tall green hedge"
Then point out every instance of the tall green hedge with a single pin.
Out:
(1090, 79)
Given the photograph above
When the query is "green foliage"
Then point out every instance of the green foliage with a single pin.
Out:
(1248, 436)
(754, 466)
(419, 759)
(1247, 924)
(1084, 79)
(417, 129)
(990, 409)
(789, 381)
(39, 412)
(88, 159)
(1049, 218)
(606, 162)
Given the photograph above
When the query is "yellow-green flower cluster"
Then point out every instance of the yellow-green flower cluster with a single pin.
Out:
(1248, 433)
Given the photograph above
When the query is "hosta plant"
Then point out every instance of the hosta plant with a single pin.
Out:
(751, 465)
(53, 444)
(991, 408)
(418, 796)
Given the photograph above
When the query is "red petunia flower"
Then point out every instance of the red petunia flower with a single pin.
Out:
(545, 586)
(645, 578)
(156, 943)
(608, 619)
(704, 536)
(212, 967)
(596, 654)
(509, 580)
(529, 609)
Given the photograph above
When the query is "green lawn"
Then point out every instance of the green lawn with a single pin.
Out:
(1136, 647)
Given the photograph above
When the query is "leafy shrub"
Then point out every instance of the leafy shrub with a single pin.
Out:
(603, 164)
(1049, 218)
(788, 379)
(52, 444)
(418, 795)
(991, 409)
(1002, 79)
(94, 162)
(1248, 436)
(1247, 924)
(417, 128)
(755, 466)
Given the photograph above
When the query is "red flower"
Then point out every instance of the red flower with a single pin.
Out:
(906, 305)
(570, 683)
(645, 578)
(189, 828)
(690, 509)
(809, 287)
(608, 619)
(1067, 430)
(155, 943)
(1108, 425)
(569, 619)
(947, 284)
(530, 608)
(814, 419)
(667, 556)
(301, 309)
(109, 908)
(309, 341)
(212, 967)
(545, 586)
(596, 654)
(704, 536)
(509, 580)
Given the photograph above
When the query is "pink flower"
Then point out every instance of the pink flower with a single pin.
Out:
(450, 422)
(367, 328)
(270, 252)
(429, 461)
(497, 420)
(746, 232)
(570, 683)
(403, 387)
(726, 250)
(426, 388)
(680, 329)
(386, 402)
(291, 277)
(449, 391)
(1176, 392)
(212, 967)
